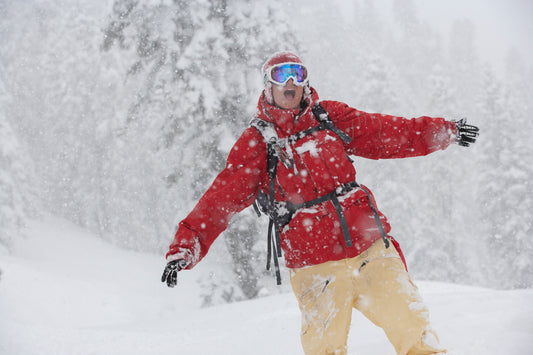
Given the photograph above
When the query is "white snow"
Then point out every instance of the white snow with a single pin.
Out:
(64, 291)
(309, 146)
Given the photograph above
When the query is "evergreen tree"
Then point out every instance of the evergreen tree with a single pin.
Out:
(465, 63)
(18, 201)
(503, 186)
(416, 49)
(519, 97)
(446, 202)
(195, 78)
(377, 91)
(62, 102)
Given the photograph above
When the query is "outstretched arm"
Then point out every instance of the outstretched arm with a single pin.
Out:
(233, 190)
(378, 136)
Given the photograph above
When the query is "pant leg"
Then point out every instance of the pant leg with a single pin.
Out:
(387, 296)
(325, 298)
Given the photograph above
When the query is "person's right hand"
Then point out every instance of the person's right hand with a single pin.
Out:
(170, 274)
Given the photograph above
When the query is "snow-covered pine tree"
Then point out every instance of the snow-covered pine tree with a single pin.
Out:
(464, 63)
(194, 79)
(63, 102)
(416, 49)
(18, 198)
(377, 90)
(503, 185)
(432, 248)
(518, 93)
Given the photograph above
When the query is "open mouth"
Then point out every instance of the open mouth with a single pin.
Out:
(289, 94)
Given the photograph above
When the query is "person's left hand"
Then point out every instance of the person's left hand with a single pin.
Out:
(466, 134)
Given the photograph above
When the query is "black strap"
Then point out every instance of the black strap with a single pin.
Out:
(342, 219)
(324, 123)
(333, 197)
(322, 116)
(256, 209)
(376, 218)
(274, 249)
(269, 243)
(274, 244)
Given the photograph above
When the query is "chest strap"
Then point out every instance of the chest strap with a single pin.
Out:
(333, 197)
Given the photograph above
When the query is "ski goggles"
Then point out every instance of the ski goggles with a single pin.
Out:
(281, 73)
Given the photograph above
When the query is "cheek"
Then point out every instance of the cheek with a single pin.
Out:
(276, 90)
(278, 94)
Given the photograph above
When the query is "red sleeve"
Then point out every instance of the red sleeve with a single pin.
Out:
(378, 136)
(233, 190)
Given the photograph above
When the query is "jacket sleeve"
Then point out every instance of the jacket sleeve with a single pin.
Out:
(378, 136)
(234, 189)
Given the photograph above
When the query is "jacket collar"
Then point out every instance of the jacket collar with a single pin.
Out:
(289, 121)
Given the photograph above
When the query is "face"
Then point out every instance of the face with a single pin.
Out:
(288, 96)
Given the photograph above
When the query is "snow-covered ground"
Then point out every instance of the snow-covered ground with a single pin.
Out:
(63, 291)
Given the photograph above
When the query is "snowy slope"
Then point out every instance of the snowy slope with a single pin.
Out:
(63, 291)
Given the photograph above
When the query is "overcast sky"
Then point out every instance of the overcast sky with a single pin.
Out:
(500, 24)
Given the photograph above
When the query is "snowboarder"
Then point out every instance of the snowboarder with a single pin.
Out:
(335, 241)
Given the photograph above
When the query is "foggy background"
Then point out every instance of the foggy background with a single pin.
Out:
(117, 115)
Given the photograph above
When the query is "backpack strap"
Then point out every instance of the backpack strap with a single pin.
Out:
(267, 203)
(322, 117)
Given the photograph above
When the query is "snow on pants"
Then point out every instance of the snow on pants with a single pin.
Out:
(375, 283)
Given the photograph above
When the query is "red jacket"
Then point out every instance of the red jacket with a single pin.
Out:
(314, 235)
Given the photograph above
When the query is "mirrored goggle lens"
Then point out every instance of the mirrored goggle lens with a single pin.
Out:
(280, 74)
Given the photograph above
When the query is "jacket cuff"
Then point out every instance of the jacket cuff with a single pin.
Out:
(182, 253)
(186, 246)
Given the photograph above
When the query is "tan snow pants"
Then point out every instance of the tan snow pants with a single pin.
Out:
(375, 283)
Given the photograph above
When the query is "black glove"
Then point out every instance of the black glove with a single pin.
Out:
(466, 134)
(170, 274)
